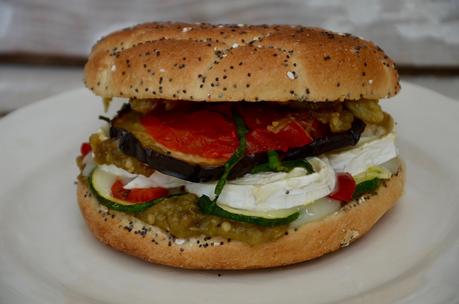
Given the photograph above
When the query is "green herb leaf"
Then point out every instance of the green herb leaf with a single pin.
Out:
(241, 131)
(291, 164)
(261, 168)
(208, 206)
(276, 165)
(104, 118)
(274, 161)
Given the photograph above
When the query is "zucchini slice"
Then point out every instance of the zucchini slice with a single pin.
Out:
(373, 172)
(207, 206)
(100, 183)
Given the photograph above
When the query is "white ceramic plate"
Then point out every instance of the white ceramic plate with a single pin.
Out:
(47, 254)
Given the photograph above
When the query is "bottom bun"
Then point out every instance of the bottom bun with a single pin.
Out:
(134, 237)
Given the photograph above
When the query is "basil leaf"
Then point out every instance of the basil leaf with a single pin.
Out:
(302, 163)
(208, 206)
(261, 168)
(276, 165)
(241, 131)
(104, 118)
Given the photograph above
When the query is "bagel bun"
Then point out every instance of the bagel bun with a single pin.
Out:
(134, 237)
(204, 62)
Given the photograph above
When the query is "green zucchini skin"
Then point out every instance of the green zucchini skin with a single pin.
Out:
(366, 187)
(207, 206)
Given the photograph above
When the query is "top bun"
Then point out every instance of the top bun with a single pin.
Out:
(204, 62)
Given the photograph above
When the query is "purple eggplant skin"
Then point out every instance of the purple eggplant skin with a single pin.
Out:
(169, 165)
(329, 143)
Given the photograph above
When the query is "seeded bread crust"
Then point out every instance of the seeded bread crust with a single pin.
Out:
(134, 237)
(204, 62)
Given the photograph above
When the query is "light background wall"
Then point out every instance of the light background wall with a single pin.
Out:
(413, 32)
(421, 35)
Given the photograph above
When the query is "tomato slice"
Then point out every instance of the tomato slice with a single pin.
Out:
(140, 195)
(256, 117)
(85, 148)
(345, 187)
(210, 132)
(205, 133)
(312, 126)
(289, 136)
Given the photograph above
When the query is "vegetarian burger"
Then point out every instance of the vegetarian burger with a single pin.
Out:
(238, 146)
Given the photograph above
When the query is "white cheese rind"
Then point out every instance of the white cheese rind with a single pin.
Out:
(358, 159)
(157, 179)
(271, 190)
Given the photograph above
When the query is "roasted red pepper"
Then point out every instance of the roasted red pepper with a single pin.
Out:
(140, 195)
(85, 148)
(344, 189)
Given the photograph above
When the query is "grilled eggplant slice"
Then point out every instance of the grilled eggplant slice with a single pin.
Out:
(167, 164)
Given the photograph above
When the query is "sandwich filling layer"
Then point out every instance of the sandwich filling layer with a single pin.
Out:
(260, 204)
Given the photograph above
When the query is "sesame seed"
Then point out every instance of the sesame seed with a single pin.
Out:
(226, 226)
(162, 70)
(186, 29)
(179, 241)
(291, 75)
(370, 81)
(235, 46)
(113, 68)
